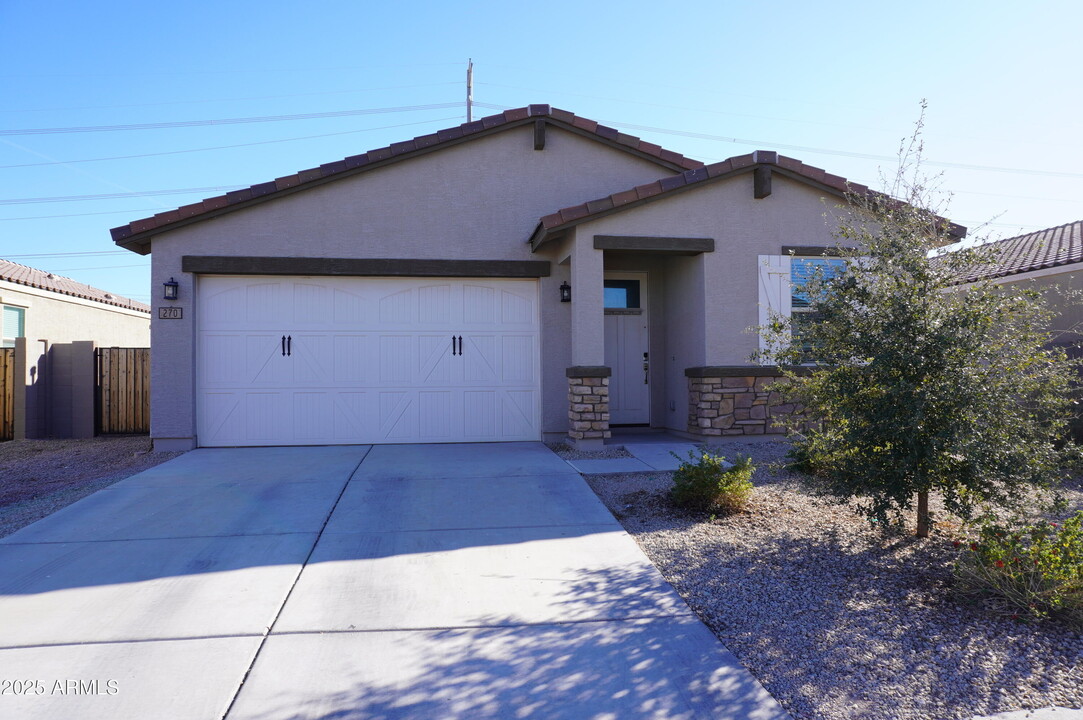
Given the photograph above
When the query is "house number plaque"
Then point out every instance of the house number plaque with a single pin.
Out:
(170, 313)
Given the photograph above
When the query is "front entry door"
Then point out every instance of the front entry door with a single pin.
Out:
(626, 348)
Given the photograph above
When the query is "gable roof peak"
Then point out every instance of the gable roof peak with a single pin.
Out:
(136, 235)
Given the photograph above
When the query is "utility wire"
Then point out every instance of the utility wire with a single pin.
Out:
(226, 121)
(111, 196)
(214, 100)
(227, 147)
(107, 212)
(821, 151)
(69, 254)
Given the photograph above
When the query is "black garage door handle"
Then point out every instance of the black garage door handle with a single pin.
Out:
(289, 345)
(283, 346)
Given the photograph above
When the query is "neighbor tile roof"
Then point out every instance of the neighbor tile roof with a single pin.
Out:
(583, 212)
(32, 277)
(1052, 247)
(127, 235)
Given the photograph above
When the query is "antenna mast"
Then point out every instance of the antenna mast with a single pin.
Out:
(470, 90)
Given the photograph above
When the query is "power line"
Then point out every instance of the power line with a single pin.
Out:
(112, 196)
(225, 121)
(213, 100)
(102, 267)
(227, 147)
(107, 212)
(815, 150)
(69, 254)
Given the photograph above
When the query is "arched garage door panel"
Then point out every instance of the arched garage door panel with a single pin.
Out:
(313, 361)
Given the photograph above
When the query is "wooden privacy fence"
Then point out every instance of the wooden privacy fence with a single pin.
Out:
(123, 390)
(7, 393)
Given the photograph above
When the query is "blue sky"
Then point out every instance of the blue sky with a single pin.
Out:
(835, 84)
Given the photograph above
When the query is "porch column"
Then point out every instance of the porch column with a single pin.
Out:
(588, 378)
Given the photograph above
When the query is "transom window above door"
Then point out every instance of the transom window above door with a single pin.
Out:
(621, 294)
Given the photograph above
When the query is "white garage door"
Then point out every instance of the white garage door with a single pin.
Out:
(315, 360)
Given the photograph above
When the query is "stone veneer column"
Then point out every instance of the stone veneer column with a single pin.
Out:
(735, 401)
(588, 406)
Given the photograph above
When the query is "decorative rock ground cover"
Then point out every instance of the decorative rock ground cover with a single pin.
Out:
(837, 620)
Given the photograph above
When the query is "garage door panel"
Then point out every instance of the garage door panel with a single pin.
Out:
(222, 417)
(519, 408)
(266, 416)
(313, 416)
(518, 359)
(371, 360)
(398, 416)
(264, 361)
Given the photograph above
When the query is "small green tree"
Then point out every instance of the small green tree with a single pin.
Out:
(920, 384)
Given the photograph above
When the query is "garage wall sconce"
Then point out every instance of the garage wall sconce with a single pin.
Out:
(565, 292)
(170, 289)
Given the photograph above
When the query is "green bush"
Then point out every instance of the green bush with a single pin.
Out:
(705, 482)
(1031, 572)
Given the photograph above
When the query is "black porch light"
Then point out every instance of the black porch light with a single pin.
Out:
(169, 289)
(565, 292)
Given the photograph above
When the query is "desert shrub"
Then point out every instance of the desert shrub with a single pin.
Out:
(1029, 572)
(706, 482)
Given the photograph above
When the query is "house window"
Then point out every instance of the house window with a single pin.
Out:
(14, 325)
(783, 279)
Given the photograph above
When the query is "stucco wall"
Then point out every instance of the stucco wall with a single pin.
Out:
(477, 200)
(59, 408)
(743, 229)
(1057, 289)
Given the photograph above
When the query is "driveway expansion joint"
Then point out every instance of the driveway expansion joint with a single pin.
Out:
(296, 578)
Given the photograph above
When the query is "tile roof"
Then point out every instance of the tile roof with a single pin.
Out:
(32, 277)
(135, 235)
(1052, 247)
(569, 216)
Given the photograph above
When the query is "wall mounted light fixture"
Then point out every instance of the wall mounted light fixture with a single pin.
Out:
(169, 289)
(565, 292)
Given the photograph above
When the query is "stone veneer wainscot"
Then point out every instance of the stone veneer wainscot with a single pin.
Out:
(735, 400)
(588, 404)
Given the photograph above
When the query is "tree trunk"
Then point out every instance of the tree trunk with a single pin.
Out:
(923, 514)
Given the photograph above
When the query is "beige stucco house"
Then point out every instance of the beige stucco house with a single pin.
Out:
(1050, 261)
(52, 324)
(530, 275)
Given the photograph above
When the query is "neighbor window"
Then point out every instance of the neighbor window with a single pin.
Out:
(14, 321)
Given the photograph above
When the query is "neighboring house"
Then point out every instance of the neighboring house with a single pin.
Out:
(53, 323)
(530, 275)
(1049, 260)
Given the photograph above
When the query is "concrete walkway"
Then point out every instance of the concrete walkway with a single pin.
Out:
(473, 581)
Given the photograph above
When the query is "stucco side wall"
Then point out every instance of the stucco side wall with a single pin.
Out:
(477, 200)
(743, 228)
(60, 318)
(53, 400)
(1068, 325)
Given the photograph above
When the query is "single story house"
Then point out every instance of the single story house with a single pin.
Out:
(1050, 261)
(530, 275)
(51, 325)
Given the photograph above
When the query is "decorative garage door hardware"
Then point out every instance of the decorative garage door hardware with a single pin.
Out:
(460, 352)
(287, 345)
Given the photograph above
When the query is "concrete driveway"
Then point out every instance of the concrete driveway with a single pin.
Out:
(408, 581)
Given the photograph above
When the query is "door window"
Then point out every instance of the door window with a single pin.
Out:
(621, 294)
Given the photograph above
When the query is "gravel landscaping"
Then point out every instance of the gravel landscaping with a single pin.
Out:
(836, 619)
(567, 452)
(39, 477)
